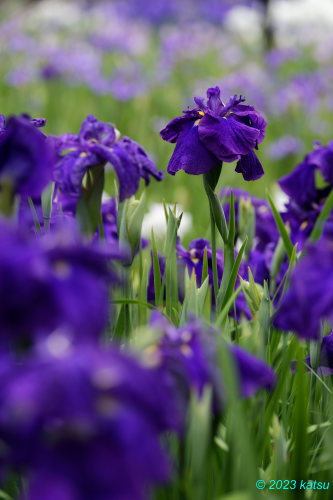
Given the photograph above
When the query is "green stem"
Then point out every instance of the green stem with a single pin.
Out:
(214, 263)
(210, 180)
(7, 198)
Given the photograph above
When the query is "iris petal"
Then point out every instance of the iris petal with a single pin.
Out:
(227, 138)
(190, 155)
(250, 167)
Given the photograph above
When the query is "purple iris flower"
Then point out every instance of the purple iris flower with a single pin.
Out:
(309, 299)
(52, 283)
(213, 132)
(96, 144)
(325, 361)
(322, 158)
(305, 204)
(265, 227)
(83, 423)
(191, 261)
(26, 157)
(188, 355)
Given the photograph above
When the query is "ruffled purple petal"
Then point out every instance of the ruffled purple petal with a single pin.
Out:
(70, 170)
(127, 172)
(190, 154)
(213, 100)
(227, 138)
(92, 130)
(299, 185)
(140, 158)
(26, 157)
(322, 158)
(172, 131)
(250, 167)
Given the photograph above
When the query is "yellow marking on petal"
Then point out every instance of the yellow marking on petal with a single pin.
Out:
(83, 154)
(304, 225)
(201, 113)
(186, 350)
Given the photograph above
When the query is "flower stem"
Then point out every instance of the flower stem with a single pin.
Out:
(213, 243)
(210, 182)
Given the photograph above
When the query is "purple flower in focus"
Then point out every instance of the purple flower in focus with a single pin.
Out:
(84, 423)
(26, 157)
(309, 299)
(213, 132)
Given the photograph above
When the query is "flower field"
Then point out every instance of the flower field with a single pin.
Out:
(166, 256)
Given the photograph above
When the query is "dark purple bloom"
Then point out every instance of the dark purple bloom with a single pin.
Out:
(265, 228)
(96, 144)
(84, 423)
(322, 158)
(302, 176)
(325, 361)
(215, 132)
(309, 299)
(26, 157)
(253, 373)
(191, 261)
(305, 203)
(189, 356)
(55, 282)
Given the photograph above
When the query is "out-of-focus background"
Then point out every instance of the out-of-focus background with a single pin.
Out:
(138, 63)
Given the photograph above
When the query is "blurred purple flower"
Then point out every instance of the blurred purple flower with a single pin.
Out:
(55, 282)
(26, 157)
(191, 261)
(305, 204)
(84, 423)
(285, 146)
(189, 355)
(309, 299)
(265, 227)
